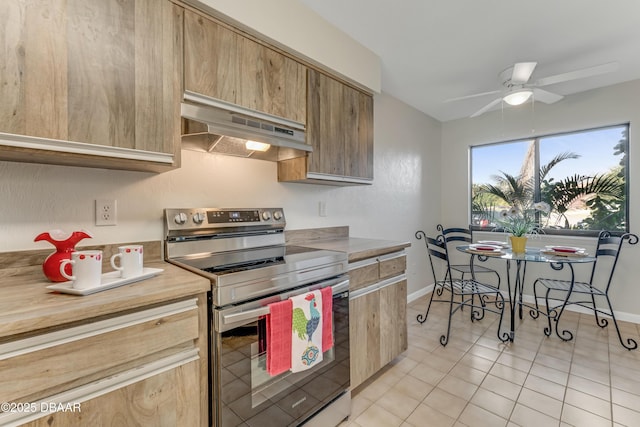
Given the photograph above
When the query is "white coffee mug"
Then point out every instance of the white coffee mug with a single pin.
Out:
(130, 260)
(86, 269)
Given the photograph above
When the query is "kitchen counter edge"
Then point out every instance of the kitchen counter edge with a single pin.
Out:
(26, 305)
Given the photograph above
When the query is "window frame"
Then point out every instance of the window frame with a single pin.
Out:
(536, 139)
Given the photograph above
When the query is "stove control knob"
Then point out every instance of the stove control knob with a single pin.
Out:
(266, 215)
(198, 217)
(277, 215)
(180, 218)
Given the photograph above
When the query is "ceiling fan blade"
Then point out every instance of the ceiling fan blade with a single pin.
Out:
(546, 96)
(475, 95)
(578, 74)
(486, 107)
(522, 72)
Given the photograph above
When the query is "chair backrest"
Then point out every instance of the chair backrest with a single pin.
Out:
(609, 247)
(455, 234)
(436, 248)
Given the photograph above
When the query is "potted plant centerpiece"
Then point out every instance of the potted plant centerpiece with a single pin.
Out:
(521, 221)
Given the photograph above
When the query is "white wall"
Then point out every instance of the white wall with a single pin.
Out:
(613, 105)
(37, 198)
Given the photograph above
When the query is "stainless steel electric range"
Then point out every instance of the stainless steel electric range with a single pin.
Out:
(243, 253)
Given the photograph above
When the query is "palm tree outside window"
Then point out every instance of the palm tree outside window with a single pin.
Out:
(582, 176)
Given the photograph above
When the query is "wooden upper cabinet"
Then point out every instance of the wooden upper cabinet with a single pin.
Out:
(226, 65)
(340, 130)
(99, 72)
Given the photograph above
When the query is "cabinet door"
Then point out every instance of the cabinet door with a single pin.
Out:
(393, 321)
(225, 65)
(359, 146)
(170, 398)
(340, 130)
(364, 337)
(326, 130)
(101, 72)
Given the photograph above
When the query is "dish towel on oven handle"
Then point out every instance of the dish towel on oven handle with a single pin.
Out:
(279, 337)
(327, 318)
(306, 336)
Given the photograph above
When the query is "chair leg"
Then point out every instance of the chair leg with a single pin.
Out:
(535, 313)
(436, 289)
(444, 339)
(566, 335)
(631, 343)
(500, 305)
(547, 330)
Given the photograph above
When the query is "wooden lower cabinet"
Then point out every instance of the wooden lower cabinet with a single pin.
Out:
(168, 398)
(377, 316)
(364, 337)
(139, 368)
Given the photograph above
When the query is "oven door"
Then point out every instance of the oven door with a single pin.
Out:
(245, 394)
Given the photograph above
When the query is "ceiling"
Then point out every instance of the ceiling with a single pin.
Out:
(434, 50)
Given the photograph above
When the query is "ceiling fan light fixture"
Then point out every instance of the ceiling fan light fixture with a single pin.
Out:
(518, 97)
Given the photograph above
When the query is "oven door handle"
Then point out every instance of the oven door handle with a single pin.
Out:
(263, 311)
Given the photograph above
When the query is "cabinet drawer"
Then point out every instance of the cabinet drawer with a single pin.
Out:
(362, 274)
(392, 265)
(40, 362)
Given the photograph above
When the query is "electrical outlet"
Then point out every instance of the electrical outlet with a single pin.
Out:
(106, 212)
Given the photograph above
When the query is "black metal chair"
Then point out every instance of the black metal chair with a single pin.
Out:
(463, 236)
(560, 292)
(469, 290)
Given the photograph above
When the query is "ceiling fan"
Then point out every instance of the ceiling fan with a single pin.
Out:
(517, 89)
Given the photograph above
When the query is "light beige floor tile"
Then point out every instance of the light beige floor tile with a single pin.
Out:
(549, 388)
(445, 402)
(502, 387)
(510, 374)
(592, 388)
(548, 373)
(458, 387)
(515, 362)
(478, 417)
(588, 403)
(493, 403)
(625, 399)
(540, 402)
(527, 417)
(377, 416)
(478, 363)
(399, 404)
(485, 352)
(358, 405)
(579, 417)
(413, 388)
(602, 377)
(469, 374)
(625, 416)
(427, 374)
(426, 415)
(373, 390)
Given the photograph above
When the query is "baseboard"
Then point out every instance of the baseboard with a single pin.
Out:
(419, 293)
(620, 315)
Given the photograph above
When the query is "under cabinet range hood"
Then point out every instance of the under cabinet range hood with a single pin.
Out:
(217, 126)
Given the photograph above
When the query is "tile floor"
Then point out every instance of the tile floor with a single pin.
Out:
(476, 381)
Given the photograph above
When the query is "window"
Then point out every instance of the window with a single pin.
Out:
(582, 176)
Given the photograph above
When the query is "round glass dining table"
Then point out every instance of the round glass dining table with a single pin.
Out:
(519, 262)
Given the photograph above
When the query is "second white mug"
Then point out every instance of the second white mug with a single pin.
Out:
(131, 260)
